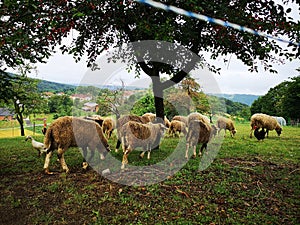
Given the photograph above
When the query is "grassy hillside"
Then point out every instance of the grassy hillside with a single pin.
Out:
(249, 182)
(49, 86)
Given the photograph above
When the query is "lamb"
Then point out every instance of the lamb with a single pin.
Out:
(136, 135)
(108, 126)
(198, 132)
(36, 145)
(260, 120)
(69, 131)
(124, 119)
(177, 126)
(226, 124)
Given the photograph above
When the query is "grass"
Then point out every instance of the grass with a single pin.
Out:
(249, 182)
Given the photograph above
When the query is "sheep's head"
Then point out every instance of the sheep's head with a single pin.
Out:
(234, 132)
(28, 138)
(278, 130)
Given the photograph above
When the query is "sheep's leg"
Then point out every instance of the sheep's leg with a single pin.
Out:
(251, 133)
(118, 145)
(267, 133)
(125, 157)
(123, 143)
(60, 154)
(194, 151)
(186, 151)
(149, 152)
(202, 148)
(47, 161)
(142, 154)
(84, 163)
(109, 134)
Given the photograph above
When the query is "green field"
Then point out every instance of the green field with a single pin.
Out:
(249, 182)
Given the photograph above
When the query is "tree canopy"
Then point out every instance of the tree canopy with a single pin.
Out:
(282, 100)
(31, 29)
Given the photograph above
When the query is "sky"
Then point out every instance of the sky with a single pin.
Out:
(234, 78)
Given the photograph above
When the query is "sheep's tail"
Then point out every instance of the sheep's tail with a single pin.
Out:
(48, 140)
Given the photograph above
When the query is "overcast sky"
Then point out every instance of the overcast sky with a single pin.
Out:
(234, 78)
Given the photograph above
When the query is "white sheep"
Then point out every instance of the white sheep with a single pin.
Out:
(280, 120)
(260, 120)
(37, 145)
(134, 134)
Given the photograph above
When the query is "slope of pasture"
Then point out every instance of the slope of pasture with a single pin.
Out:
(249, 182)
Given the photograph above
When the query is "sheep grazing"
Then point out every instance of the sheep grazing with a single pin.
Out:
(36, 145)
(108, 126)
(124, 119)
(226, 124)
(198, 116)
(181, 118)
(69, 131)
(198, 132)
(177, 126)
(260, 120)
(135, 134)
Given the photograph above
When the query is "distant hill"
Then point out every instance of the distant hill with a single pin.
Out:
(242, 98)
(49, 86)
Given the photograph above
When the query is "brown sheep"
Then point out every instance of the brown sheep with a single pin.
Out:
(69, 131)
(136, 135)
(226, 124)
(167, 122)
(177, 126)
(108, 126)
(181, 118)
(98, 119)
(151, 116)
(199, 132)
(260, 120)
(124, 119)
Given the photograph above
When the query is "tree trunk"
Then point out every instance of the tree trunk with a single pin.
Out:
(158, 96)
(20, 120)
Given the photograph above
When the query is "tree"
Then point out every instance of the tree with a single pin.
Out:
(61, 105)
(30, 29)
(291, 101)
(281, 100)
(26, 99)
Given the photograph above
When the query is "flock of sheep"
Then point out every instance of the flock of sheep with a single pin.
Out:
(92, 133)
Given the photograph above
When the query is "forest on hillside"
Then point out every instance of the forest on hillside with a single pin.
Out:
(282, 100)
